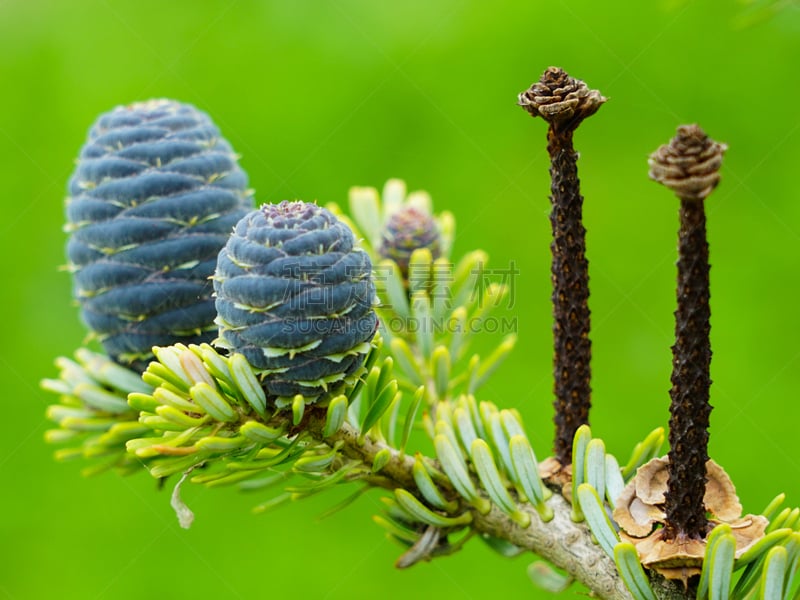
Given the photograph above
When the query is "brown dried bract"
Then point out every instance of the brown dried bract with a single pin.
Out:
(720, 497)
(682, 557)
(557, 475)
(559, 98)
(655, 552)
(747, 531)
(689, 164)
(650, 485)
(635, 516)
(640, 509)
(651, 481)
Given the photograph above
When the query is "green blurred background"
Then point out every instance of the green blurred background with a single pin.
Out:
(318, 96)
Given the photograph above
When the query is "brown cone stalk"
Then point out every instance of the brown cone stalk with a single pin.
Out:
(564, 102)
(689, 166)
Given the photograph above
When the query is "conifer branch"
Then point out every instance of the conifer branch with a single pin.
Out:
(301, 393)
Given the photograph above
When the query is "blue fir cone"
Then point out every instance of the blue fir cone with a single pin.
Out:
(152, 201)
(409, 229)
(295, 297)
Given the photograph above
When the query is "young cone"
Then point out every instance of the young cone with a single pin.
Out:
(295, 296)
(689, 165)
(564, 102)
(409, 229)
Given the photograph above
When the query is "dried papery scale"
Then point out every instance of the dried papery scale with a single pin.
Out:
(564, 102)
(295, 296)
(640, 514)
(409, 228)
(689, 166)
(151, 202)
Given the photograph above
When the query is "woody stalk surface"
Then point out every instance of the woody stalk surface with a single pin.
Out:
(564, 102)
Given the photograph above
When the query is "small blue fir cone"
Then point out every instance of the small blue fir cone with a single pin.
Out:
(295, 297)
(409, 229)
(152, 201)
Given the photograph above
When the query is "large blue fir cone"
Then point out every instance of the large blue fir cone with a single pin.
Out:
(153, 199)
(295, 296)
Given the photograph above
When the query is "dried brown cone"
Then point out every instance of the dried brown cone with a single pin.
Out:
(689, 166)
(561, 100)
(564, 102)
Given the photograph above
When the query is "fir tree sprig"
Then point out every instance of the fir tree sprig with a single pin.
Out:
(432, 307)
(93, 418)
(286, 416)
(483, 478)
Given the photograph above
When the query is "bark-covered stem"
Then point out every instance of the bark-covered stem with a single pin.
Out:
(561, 541)
(690, 407)
(570, 276)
